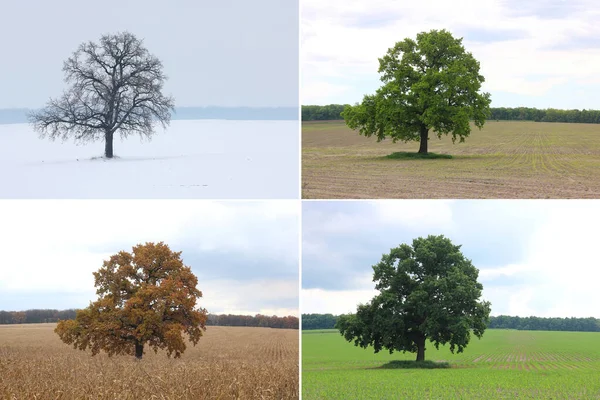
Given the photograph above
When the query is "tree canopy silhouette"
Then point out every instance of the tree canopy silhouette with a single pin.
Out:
(116, 87)
(147, 296)
(428, 84)
(428, 291)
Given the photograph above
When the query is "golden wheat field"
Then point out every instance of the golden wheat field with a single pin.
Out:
(227, 363)
(506, 159)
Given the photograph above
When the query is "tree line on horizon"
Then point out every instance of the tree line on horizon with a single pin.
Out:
(332, 112)
(38, 316)
(328, 321)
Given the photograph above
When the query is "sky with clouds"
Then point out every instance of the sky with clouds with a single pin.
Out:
(533, 53)
(534, 257)
(245, 254)
(215, 53)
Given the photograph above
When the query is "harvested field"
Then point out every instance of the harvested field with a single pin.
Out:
(227, 363)
(507, 159)
(503, 364)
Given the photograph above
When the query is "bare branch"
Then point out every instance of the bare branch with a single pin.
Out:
(115, 87)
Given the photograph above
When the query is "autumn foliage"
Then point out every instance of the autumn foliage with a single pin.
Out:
(148, 297)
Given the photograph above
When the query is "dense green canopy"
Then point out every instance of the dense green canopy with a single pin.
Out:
(428, 291)
(428, 84)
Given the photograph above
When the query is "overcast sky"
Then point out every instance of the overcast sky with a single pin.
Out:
(533, 53)
(245, 254)
(221, 53)
(535, 257)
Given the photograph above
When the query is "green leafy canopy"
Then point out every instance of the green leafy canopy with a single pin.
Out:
(430, 83)
(427, 291)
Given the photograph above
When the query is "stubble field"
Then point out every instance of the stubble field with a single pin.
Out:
(504, 364)
(227, 363)
(506, 159)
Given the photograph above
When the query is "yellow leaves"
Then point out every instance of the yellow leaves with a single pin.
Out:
(148, 295)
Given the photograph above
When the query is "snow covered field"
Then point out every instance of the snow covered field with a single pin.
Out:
(192, 159)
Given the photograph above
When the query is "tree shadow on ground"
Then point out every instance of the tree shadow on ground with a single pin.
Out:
(405, 155)
(409, 364)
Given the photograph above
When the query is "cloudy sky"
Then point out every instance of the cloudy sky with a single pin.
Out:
(533, 53)
(221, 53)
(245, 254)
(535, 257)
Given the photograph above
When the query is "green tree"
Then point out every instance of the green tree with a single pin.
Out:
(427, 291)
(428, 84)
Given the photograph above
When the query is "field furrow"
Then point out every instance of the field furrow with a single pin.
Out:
(506, 159)
(227, 363)
(504, 364)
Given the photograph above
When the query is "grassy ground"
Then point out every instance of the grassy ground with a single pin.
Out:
(506, 159)
(504, 364)
(228, 362)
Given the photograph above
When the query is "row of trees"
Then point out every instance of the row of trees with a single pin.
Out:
(35, 316)
(328, 321)
(322, 113)
(545, 324)
(333, 111)
(288, 322)
(46, 316)
(318, 321)
(546, 115)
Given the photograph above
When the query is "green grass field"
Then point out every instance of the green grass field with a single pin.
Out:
(504, 364)
(507, 159)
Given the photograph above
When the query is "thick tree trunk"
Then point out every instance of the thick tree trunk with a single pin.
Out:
(424, 139)
(139, 350)
(421, 349)
(108, 144)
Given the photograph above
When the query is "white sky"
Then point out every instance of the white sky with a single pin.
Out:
(534, 53)
(245, 254)
(535, 257)
(215, 53)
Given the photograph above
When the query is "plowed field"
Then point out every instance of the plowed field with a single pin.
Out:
(506, 159)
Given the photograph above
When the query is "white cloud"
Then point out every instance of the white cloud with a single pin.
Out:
(234, 297)
(54, 246)
(321, 301)
(416, 213)
(322, 91)
(557, 275)
(344, 39)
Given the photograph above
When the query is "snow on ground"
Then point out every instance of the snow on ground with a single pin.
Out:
(192, 159)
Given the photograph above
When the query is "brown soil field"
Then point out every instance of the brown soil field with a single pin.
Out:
(506, 159)
(227, 363)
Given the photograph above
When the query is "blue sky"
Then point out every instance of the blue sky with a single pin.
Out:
(221, 53)
(245, 254)
(535, 257)
(533, 53)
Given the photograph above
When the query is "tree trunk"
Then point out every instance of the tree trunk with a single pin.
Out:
(139, 350)
(424, 139)
(108, 144)
(421, 348)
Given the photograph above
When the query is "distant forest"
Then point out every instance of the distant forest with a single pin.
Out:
(327, 321)
(19, 115)
(45, 316)
(332, 112)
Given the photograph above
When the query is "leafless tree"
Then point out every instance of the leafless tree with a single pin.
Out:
(116, 86)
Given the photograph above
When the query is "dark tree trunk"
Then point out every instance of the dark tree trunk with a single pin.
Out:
(421, 348)
(139, 350)
(424, 139)
(108, 144)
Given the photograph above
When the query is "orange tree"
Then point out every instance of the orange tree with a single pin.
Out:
(147, 296)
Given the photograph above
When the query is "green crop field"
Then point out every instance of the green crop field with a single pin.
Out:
(507, 159)
(504, 364)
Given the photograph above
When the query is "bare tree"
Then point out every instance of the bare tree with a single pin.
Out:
(116, 86)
